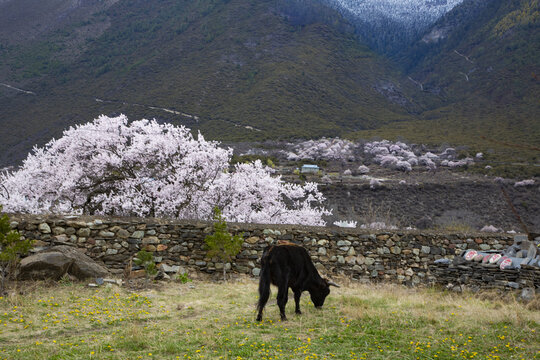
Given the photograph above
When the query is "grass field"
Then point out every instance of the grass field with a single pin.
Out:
(202, 320)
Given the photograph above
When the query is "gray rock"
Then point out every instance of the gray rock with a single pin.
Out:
(527, 294)
(139, 234)
(58, 230)
(57, 261)
(512, 284)
(84, 232)
(320, 267)
(409, 272)
(151, 240)
(343, 243)
(111, 252)
(122, 234)
(256, 271)
(369, 261)
(426, 249)
(169, 269)
(396, 250)
(106, 234)
(44, 228)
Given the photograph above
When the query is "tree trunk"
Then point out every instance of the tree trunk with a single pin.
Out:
(224, 278)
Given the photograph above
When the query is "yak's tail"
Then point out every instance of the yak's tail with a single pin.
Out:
(264, 286)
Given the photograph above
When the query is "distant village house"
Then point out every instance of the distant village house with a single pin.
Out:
(309, 169)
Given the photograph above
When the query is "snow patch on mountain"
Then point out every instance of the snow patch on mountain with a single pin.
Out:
(418, 14)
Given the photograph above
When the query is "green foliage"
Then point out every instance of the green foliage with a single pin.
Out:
(11, 248)
(146, 259)
(222, 243)
(183, 278)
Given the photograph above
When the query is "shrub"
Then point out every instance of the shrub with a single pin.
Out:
(11, 248)
(221, 243)
(146, 260)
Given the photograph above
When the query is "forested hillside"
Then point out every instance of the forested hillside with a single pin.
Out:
(235, 69)
(275, 69)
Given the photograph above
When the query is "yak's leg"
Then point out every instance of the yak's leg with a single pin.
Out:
(283, 296)
(297, 294)
(264, 290)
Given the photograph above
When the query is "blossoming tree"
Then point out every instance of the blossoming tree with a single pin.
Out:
(143, 168)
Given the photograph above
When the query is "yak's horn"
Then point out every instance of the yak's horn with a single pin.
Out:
(331, 283)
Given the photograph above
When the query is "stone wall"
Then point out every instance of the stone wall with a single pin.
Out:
(396, 256)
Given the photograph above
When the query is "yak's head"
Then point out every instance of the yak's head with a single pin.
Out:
(321, 291)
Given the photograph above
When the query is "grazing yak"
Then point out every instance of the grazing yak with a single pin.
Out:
(287, 265)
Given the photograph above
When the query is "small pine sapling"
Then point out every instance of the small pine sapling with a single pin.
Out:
(146, 260)
(222, 243)
(11, 248)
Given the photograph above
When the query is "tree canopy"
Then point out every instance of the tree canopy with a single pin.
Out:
(143, 168)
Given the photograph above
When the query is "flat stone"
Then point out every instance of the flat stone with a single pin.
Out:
(341, 259)
(343, 243)
(150, 248)
(139, 234)
(252, 240)
(84, 232)
(409, 272)
(351, 252)
(44, 228)
(321, 251)
(169, 268)
(242, 269)
(426, 249)
(106, 234)
(256, 271)
(111, 252)
(76, 224)
(122, 234)
(416, 252)
(369, 261)
(320, 267)
(396, 250)
(150, 240)
(161, 247)
(58, 230)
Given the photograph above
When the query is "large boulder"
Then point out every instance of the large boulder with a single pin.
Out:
(56, 261)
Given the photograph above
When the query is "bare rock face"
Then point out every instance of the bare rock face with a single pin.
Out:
(56, 261)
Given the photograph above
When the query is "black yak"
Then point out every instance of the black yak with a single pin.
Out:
(287, 265)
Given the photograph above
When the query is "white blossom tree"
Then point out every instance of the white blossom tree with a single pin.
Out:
(144, 168)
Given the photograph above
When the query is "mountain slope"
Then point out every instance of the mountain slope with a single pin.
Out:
(246, 70)
(481, 61)
(391, 25)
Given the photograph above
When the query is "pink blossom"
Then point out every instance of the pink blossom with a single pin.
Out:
(144, 168)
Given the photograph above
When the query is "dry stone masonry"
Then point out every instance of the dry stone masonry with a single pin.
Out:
(395, 256)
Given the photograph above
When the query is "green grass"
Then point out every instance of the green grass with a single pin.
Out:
(216, 321)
